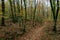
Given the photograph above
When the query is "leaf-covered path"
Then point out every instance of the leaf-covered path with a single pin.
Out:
(35, 34)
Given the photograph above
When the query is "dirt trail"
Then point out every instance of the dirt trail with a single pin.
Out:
(34, 35)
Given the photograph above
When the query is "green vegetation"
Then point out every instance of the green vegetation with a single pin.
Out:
(18, 17)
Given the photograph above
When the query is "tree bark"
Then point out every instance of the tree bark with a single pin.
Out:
(55, 13)
(3, 13)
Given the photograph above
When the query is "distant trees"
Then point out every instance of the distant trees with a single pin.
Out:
(55, 10)
(18, 7)
(34, 12)
(47, 9)
(25, 17)
(43, 9)
(13, 10)
(3, 13)
(12, 13)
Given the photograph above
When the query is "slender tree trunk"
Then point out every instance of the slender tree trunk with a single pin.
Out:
(43, 8)
(34, 13)
(55, 13)
(18, 7)
(3, 13)
(25, 15)
(56, 16)
(47, 9)
(12, 14)
(53, 10)
(14, 7)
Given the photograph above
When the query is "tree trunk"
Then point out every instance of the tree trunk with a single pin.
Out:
(12, 14)
(34, 13)
(55, 13)
(14, 11)
(25, 16)
(3, 13)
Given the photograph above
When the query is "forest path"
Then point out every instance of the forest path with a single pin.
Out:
(36, 34)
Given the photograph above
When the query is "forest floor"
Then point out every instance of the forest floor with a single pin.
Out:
(42, 33)
(39, 32)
